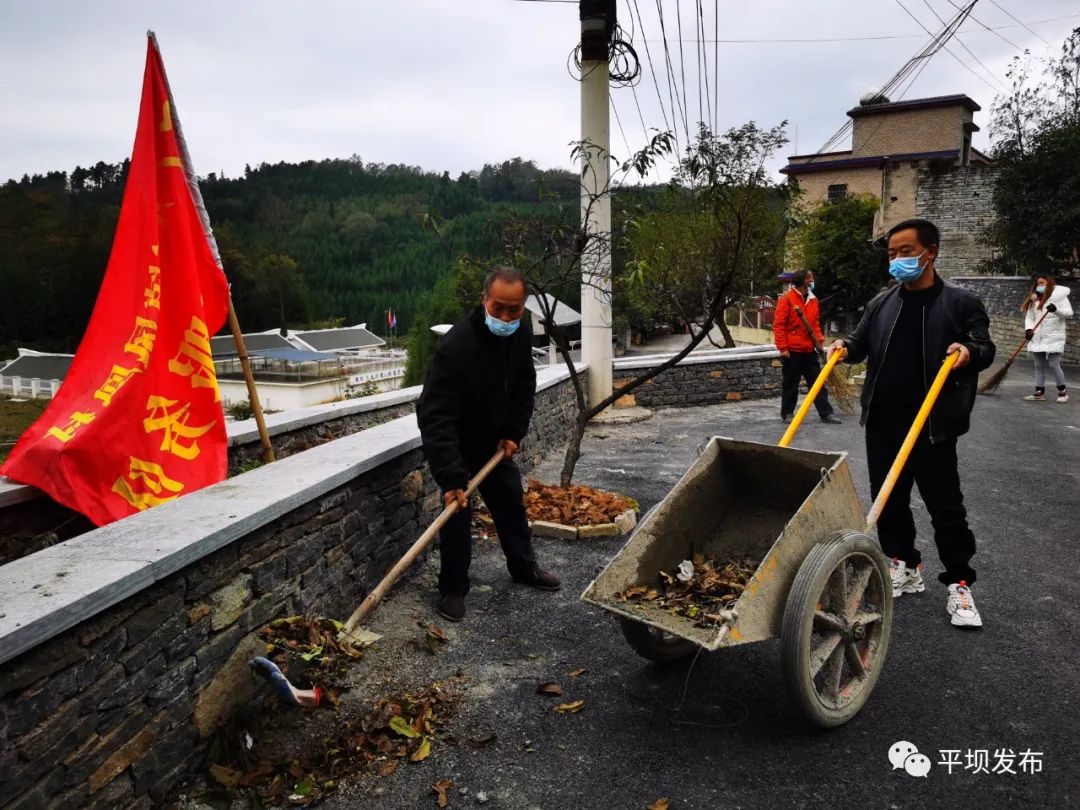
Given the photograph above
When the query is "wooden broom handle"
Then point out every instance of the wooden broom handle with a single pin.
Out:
(402, 565)
(810, 329)
(1024, 342)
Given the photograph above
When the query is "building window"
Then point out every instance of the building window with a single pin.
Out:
(965, 154)
(837, 192)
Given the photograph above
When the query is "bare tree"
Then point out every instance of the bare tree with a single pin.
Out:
(720, 227)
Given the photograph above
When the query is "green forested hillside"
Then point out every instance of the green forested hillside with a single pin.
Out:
(302, 244)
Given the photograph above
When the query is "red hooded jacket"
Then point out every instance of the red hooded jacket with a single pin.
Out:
(789, 333)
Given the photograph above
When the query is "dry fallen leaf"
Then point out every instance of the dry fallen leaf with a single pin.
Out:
(436, 632)
(578, 672)
(422, 753)
(570, 708)
(549, 689)
(387, 768)
(660, 804)
(442, 789)
(402, 727)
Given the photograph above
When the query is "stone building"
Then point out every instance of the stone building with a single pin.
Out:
(916, 158)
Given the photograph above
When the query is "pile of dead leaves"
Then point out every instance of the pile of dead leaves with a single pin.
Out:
(697, 589)
(577, 505)
(397, 728)
(307, 650)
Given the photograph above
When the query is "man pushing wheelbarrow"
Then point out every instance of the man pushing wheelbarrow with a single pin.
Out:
(820, 583)
(904, 334)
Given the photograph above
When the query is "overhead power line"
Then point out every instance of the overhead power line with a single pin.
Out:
(682, 64)
(1014, 19)
(673, 90)
(716, 65)
(936, 43)
(648, 57)
(704, 65)
(999, 35)
(949, 51)
(868, 38)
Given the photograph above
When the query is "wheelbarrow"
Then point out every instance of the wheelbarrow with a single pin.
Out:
(822, 585)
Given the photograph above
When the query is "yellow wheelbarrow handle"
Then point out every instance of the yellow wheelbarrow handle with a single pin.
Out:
(909, 441)
(811, 395)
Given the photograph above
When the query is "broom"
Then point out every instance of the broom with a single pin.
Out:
(840, 386)
(998, 376)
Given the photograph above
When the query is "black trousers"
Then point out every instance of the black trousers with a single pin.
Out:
(802, 365)
(505, 499)
(934, 468)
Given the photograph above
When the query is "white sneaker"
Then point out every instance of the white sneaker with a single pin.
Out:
(1035, 398)
(1063, 396)
(961, 606)
(904, 579)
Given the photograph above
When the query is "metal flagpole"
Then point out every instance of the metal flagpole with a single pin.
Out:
(204, 217)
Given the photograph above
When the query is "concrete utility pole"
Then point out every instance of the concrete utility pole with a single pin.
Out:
(597, 20)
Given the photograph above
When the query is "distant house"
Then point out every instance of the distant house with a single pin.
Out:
(342, 340)
(765, 308)
(564, 315)
(308, 367)
(34, 374)
(224, 346)
(916, 158)
(346, 339)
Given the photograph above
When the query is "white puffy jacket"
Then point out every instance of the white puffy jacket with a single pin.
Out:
(1050, 337)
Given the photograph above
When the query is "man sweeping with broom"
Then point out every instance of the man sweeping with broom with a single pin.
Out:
(797, 334)
(904, 336)
(479, 397)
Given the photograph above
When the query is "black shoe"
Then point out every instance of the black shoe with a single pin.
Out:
(832, 419)
(786, 417)
(541, 580)
(452, 608)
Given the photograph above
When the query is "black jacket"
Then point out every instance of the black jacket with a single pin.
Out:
(956, 315)
(479, 389)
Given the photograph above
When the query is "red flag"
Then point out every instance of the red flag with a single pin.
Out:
(138, 420)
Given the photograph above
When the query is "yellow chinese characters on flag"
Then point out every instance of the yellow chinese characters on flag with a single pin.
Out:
(138, 420)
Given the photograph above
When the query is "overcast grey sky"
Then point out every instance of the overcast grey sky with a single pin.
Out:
(449, 84)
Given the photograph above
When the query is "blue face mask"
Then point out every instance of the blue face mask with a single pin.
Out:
(501, 328)
(906, 268)
(1040, 289)
(810, 288)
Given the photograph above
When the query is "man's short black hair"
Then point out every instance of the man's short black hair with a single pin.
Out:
(927, 231)
(798, 278)
(507, 275)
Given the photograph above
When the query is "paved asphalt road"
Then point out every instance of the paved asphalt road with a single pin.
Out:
(718, 731)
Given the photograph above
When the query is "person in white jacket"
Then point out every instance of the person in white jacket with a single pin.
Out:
(1046, 340)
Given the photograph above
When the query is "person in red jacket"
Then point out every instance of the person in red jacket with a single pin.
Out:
(797, 346)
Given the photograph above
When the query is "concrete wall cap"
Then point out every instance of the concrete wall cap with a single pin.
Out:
(246, 431)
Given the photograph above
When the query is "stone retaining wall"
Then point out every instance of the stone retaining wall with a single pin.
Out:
(1002, 296)
(741, 374)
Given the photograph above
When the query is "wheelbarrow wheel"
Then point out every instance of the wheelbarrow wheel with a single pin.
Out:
(654, 644)
(836, 628)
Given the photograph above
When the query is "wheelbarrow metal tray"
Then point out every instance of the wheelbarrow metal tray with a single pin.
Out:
(739, 500)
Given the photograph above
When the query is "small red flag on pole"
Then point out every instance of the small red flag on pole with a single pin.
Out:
(138, 420)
